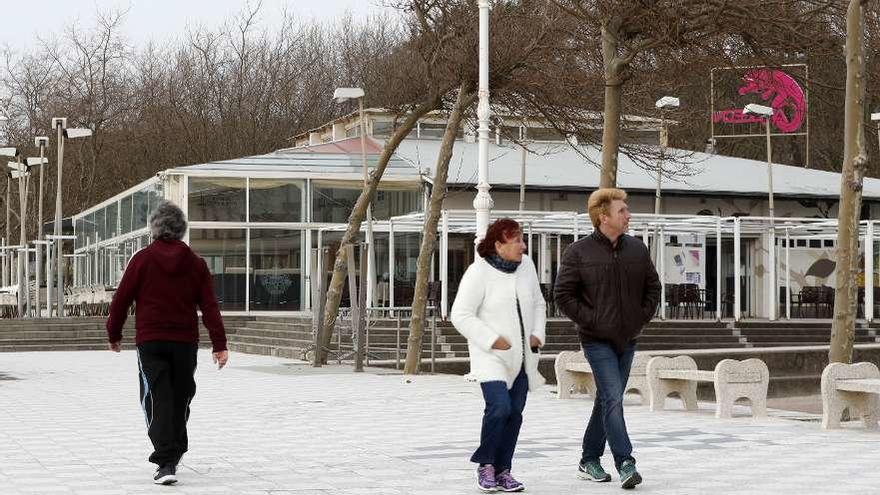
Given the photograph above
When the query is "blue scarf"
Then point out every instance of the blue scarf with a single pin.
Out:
(502, 264)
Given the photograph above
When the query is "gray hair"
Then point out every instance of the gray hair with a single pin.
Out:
(167, 222)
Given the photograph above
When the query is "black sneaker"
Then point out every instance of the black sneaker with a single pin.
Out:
(165, 475)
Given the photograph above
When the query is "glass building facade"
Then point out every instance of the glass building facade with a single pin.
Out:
(254, 233)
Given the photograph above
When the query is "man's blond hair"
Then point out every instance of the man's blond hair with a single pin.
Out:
(600, 202)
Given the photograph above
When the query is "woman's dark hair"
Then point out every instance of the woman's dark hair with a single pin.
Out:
(502, 230)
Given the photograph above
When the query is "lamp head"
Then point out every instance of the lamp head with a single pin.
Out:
(667, 103)
(59, 121)
(41, 141)
(342, 94)
(875, 116)
(9, 151)
(759, 110)
(77, 132)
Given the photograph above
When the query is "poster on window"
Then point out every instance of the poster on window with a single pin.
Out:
(685, 265)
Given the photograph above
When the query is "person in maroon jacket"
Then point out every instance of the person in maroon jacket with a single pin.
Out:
(168, 282)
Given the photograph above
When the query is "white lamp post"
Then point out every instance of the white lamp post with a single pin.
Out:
(341, 95)
(766, 113)
(60, 125)
(21, 172)
(483, 201)
(7, 266)
(41, 142)
(664, 104)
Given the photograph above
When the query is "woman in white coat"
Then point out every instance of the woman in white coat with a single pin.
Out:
(500, 310)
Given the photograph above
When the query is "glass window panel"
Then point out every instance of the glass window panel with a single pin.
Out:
(80, 233)
(140, 210)
(112, 213)
(224, 250)
(276, 267)
(333, 204)
(217, 199)
(406, 255)
(100, 225)
(275, 200)
(125, 214)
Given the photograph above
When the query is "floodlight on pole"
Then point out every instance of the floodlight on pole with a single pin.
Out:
(9, 151)
(766, 113)
(343, 94)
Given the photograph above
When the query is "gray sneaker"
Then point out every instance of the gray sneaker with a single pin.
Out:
(165, 475)
(592, 471)
(629, 477)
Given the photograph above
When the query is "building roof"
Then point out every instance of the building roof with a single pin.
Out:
(336, 160)
(558, 166)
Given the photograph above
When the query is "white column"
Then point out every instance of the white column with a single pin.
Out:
(444, 264)
(483, 201)
(787, 274)
(869, 272)
(391, 264)
(771, 282)
(718, 284)
(737, 270)
(661, 253)
(545, 259)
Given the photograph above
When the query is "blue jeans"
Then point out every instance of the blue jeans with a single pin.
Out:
(611, 372)
(502, 419)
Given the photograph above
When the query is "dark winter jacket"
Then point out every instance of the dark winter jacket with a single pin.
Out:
(610, 292)
(168, 282)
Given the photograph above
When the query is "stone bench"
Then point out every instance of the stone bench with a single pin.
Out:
(732, 380)
(855, 387)
(573, 374)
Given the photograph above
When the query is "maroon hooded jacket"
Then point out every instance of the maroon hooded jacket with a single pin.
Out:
(168, 282)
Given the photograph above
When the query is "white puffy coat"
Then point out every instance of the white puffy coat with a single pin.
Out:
(485, 309)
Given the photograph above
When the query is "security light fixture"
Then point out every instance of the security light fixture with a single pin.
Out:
(667, 103)
(760, 110)
(342, 94)
(9, 151)
(36, 160)
(77, 132)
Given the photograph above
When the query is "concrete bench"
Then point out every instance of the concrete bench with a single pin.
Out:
(732, 380)
(574, 375)
(855, 387)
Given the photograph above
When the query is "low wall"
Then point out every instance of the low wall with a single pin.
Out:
(793, 370)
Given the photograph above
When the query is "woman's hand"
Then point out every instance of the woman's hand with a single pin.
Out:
(534, 341)
(501, 344)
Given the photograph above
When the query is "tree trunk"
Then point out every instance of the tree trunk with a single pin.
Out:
(334, 290)
(853, 171)
(426, 250)
(614, 66)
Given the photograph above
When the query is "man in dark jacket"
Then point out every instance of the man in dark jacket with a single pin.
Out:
(608, 286)
(168, 282)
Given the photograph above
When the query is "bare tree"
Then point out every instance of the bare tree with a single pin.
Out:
(463, 101)
(851, 179)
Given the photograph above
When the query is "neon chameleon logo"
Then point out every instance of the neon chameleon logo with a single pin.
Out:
(784, 94)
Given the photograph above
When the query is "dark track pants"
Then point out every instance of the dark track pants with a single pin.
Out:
(167, 386)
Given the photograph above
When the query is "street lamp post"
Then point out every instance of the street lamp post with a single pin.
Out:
(41, 142)
(766, 113)
(7, 266)
(60, 125)
(664, 104)
(483, 201)
(21, 172)
(341, 95)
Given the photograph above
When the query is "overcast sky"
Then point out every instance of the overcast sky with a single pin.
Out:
(157, 19)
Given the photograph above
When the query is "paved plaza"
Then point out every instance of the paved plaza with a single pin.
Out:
(70, 422)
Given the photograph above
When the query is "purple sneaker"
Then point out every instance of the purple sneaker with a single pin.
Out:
(506, 482)
(486, 478)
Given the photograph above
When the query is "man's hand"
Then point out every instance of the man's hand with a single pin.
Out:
(220, 357)
(534, 341)
(501, 344)
(115, 346)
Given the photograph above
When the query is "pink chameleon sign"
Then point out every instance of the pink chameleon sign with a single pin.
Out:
(777, 90)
